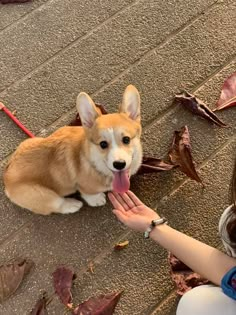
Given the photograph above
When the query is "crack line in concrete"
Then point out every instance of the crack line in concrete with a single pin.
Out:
(155, 204)
(69, 45)
(171, 108)
(167, 39)
(162, 302)
(163, 43)
(23, 17)
(11, 236)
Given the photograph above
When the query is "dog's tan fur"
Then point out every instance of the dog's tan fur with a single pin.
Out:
(44, 170)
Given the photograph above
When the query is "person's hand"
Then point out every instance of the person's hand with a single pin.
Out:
(131, 211)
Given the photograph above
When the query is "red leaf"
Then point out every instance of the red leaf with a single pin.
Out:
(152, 165)
(180, 153)
(11, 276)
(197, 107)
(13, 1)
(40, 307)
(185, 279)
(63, 280)
(99, 305)
(228, 93)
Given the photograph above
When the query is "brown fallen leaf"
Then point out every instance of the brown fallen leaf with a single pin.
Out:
(13, 1)
(153, 165)
(62, 280)
(91, 267)
(121, 245)
(14, 112)
(197, 107)
(185, 279)
(228, 93)
(11, 276)
(180, 153)
(99, 305)
(40, 307)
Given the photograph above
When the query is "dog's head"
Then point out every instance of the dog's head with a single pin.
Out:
(113, 139)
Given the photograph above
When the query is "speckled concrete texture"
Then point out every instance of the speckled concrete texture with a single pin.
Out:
(53, 49)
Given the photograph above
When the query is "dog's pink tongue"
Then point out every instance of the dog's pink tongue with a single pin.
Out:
(121, 181)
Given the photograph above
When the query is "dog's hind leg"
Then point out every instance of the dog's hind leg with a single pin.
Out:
(41, 200)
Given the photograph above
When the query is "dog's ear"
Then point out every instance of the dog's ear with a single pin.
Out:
(131, 103)
(86, 109)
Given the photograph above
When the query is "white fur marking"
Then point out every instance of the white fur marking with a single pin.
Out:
(70, 205)
(95, 200)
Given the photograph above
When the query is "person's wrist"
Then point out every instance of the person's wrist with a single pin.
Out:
(154, 222)
(149, 222)
(158, 228)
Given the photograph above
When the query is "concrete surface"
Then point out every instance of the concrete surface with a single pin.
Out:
(51, 50)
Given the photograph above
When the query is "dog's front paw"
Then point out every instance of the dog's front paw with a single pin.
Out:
(70, 205)
(95, 200)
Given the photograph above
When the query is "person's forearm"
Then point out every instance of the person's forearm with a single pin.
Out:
(203, 259)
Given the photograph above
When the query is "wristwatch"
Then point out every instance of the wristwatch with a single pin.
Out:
(153, 224)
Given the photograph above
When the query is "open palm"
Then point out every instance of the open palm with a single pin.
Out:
(131, 211)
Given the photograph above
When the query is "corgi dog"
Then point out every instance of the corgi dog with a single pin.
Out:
(99, 156)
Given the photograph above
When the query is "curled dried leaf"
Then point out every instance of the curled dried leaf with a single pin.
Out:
(99, 305)
(13, 1)
(11, 276)
(121, 245)
(63, 279)
(40, 307)
(91, 267)
(228, 93)
(184, 278)
(153, 165)
(197, 107)
(180, 153)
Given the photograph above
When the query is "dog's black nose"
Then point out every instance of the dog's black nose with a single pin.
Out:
(119, 165)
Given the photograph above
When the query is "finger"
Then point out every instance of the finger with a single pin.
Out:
(128, 200)
(134, 198)
(121, 200)
(120, 216)
(115, 202)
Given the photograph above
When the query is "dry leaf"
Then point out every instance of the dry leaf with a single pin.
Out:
(153, 165)
(63, 280)
(91, 267)
(99, 305)
(180, 153)
(197, 107)
(13, 1)
(40, 307)
(121, 245)
(185, 279)
(11, 276)
(228, 93)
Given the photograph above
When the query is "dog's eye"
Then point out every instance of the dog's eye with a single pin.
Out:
(126, 140)
(103, 144)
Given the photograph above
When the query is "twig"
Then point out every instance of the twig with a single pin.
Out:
(16, 121)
